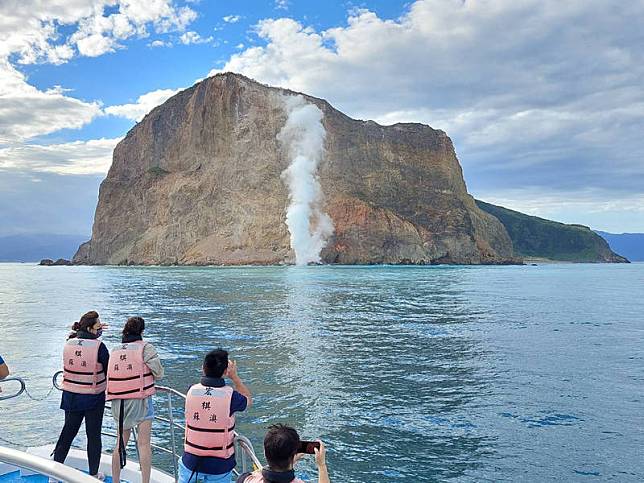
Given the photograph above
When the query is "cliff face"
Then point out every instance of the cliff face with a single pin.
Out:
(197, 181)
(540, 238)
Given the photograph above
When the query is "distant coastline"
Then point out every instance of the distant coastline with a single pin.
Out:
(32, 248)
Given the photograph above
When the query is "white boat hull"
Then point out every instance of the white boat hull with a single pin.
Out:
(78, 459)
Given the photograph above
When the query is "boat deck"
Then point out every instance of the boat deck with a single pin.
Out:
(77, 459)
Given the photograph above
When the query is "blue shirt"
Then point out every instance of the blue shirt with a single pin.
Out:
(1, 360)
(209, 464)
(71, 401)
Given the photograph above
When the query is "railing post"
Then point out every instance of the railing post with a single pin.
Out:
(174, 447)
(20, 391)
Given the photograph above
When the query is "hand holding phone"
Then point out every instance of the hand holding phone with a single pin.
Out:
(308, 447)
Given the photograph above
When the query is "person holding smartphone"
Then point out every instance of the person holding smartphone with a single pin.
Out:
(283, 448)
(209, 451)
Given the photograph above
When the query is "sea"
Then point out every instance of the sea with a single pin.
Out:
(408, 374)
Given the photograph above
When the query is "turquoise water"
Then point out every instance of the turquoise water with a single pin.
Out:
(408, 373)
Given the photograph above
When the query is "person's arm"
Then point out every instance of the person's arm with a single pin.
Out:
(4, 370)
(103, 357)
(320, 461)
(240, 387)
(151, 358)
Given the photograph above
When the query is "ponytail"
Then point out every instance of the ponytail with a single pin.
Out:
(85, 322)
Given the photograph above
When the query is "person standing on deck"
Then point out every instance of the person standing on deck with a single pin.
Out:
(209, 453)
(85, 361)
(133, 368)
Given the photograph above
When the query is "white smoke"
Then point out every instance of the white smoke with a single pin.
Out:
(303, 136)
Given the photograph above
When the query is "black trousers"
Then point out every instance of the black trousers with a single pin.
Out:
(93, 423)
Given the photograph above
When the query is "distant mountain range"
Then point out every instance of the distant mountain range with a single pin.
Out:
(630, 245)
(34, 247)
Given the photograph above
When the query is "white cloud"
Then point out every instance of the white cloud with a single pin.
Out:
(26, 112)
(31, 28)
(95, 45)
(144, 104)
(281, 4)
(74, 158)
(100, 33)
(194, 38)
(232, 18)
(31, 32)
(159, 43)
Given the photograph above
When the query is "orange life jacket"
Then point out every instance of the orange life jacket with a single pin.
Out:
(128, 376)
(256, 477)
(209, 424)
(82, 373)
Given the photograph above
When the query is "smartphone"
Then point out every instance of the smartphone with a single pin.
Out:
(308, 447)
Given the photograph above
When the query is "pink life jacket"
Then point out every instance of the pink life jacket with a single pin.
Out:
(209, 425)
(82, 373)
(128, 376)
(256, 477)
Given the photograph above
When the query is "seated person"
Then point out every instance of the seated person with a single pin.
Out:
(281, 445)
(209, 451)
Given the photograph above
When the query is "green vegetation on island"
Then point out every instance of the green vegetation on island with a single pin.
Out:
(535, 237)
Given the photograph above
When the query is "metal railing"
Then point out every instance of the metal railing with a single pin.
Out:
(21, 389)
(243, 446)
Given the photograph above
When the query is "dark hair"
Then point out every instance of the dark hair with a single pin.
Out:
(280, 446)
(85, 323)
(215, 363)
(134, 326)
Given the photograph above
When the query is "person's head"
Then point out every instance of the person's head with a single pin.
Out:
(89, 322)
(215, 363)
(280, 447)
(134, 326)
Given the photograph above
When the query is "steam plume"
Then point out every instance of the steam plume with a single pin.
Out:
(303, 136)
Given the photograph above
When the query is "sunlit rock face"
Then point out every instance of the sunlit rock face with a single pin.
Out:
(199, 181)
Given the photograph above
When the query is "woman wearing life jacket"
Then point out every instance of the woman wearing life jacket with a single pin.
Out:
(85, 361)
(133, 368)
(281, 446)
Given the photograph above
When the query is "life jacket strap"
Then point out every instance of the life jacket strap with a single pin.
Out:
(70, 381)
(208, 430)
(210, 448)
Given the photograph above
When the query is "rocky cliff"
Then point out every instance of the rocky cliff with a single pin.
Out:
(197, 181)
(540, 238)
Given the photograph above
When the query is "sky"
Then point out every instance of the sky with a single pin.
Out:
(543, 99)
